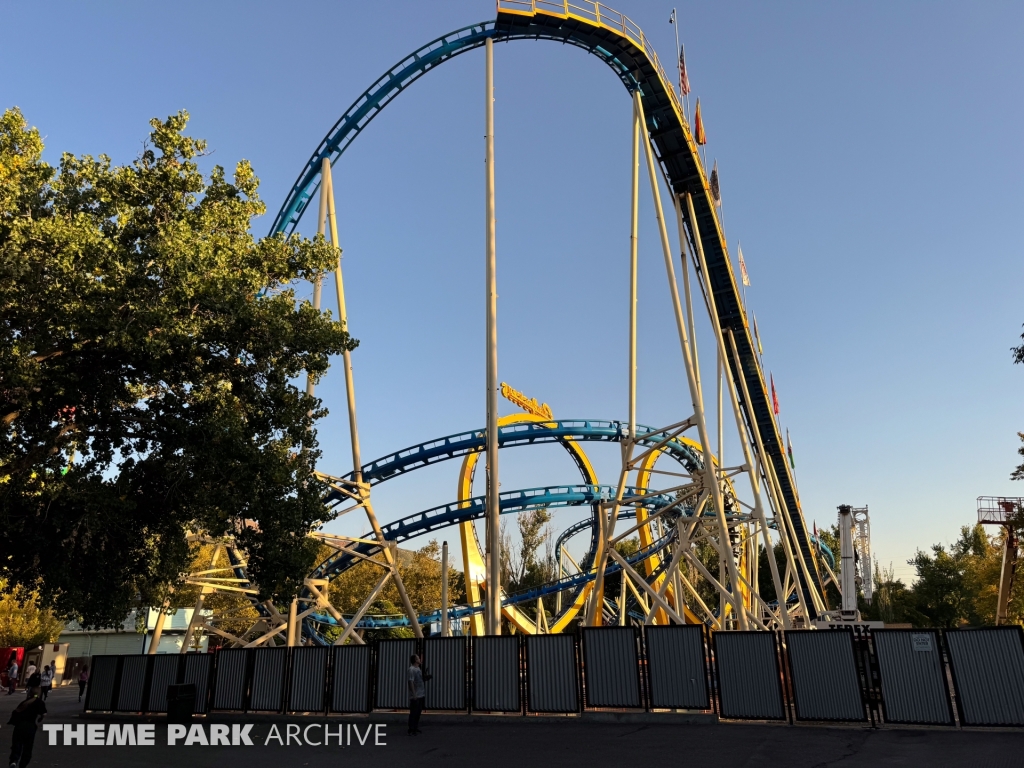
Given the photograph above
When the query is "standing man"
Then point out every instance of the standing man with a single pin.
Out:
(83, 680)
(417, 694)
(33, 682)
(46, 681)
(25, 719)
(12, 674)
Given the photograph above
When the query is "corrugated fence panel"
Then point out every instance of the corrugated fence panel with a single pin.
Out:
(677, 667)
(268, 679)
(197, 672)
(231, 679)
(101, 683)
(133, 679)
(749, 681)
(496, 674)
(392, 673)
(826, 684)
(611, 667)
(913, 680)
(445, 658)
(551, 674)
(350, 689)
(309, 679)
(165, 672)
(988, 673)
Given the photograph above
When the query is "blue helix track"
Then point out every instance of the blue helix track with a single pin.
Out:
(447, 515)
(475, 509)
(474, 441)
(629, 55)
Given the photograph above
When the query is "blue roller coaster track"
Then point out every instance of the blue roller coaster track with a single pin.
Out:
(620, 44)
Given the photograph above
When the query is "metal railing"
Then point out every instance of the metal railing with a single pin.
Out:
(602, 16)
(996, 510)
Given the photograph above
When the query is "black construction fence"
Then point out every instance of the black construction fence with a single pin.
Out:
(970, 677)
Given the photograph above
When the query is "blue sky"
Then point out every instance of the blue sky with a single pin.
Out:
(871, 166)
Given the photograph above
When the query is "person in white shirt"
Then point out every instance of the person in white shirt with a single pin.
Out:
(417, 694)
(46, 681)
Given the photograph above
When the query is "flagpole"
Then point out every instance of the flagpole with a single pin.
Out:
(674, 21)
(743, 270)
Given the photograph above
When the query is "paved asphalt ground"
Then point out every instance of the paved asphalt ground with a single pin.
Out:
(523, 743)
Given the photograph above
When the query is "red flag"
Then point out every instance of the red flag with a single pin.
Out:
(684, 81)
(775, 397)
(698, 127)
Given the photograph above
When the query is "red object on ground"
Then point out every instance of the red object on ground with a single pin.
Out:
(5, 659)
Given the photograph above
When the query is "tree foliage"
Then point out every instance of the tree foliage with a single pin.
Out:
(148, 344)
(23, 622)
(421, 573)
(955, 585)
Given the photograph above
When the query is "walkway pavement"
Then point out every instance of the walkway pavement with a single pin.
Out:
(523, 742)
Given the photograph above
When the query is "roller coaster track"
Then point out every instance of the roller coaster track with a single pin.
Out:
(618, 42)
(570, 582)
(530, 433)
(473, 509)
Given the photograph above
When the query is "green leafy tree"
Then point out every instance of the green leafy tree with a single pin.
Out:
(148, 345)
(421, 573)
(893, 602)
(22, 621)
(958, 585)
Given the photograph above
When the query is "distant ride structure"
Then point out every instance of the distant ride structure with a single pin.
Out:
(699, 501)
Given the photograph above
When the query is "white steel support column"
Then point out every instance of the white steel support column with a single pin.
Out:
(765, 469)
(339, 287)
(444, 589)
(361, 489)
(683, 249)
(193, 622)
(724, 546)
(158, 628)
(493, 522)
(848, 569)
(760, 520)
(321, 229)
(293, 612)
(606, 521)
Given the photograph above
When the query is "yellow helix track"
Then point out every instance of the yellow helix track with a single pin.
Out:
(474, 563)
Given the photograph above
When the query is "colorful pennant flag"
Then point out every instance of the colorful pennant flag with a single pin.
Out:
(775, 397)
(757, 336)
(716, 188)
(743, 266)
(789, 451)
(698, 127)
(684, 80)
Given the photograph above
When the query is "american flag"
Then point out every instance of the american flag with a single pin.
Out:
(684, 80)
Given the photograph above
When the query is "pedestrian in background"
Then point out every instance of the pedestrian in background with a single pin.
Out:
(12, 674)
(46, 681)
(417, 694)
(33, 681)
(83, 680)
(25, 719)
